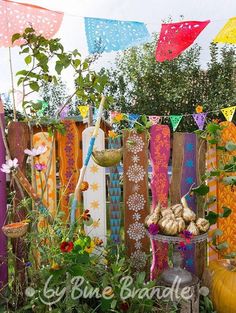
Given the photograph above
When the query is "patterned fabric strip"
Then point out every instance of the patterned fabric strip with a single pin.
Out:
(160, 154)
(188, 178)
(115, 194)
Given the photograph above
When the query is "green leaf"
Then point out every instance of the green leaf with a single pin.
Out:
(226, 213)
(15, 37)
(230, 255)
(201, 190)
(230, 146)
(222, 246)
(34, 86)
(212, 217)
(217, 233)
(58, 67)
(229, 180)
(28, 59)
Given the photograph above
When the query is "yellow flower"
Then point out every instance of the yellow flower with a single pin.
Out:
(199, 109)
(55, 266)
(105, 261)
(118, 117)
(112, 134)
(108, 291)
(90, 248)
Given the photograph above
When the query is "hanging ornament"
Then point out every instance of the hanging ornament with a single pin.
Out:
(154, 119)
(83, 109)
(200, 119)
(175, 120)
(228, 113)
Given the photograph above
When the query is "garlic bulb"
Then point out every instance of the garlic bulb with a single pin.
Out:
(203, 224)
(192, 228)
(168, 225)
(188, 215)
(181, 224)
(165, 212)
(154, 217)
(177, 209)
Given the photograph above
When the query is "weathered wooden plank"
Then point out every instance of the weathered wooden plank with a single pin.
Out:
(135, 161)
(18, 141)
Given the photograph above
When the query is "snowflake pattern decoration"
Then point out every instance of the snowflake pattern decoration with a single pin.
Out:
(136, 202)
(138, 259)
(136, 231)
(136, 173)
(135, 144)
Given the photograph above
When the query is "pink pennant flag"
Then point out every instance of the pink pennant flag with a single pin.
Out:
(176, 37)
(154, 119)
(200, 119)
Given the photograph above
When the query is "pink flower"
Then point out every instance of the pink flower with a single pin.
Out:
(153, 229)
(40, 167)
(10, 166)
(36, 151)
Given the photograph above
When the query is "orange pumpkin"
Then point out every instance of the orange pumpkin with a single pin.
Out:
(223, 285)
(84, 186)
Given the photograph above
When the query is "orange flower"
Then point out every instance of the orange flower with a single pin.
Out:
(98, 242)
(55, 266)
(215, 120)
(199, 109)
(118, 118)
(112, 134)
(84, 186)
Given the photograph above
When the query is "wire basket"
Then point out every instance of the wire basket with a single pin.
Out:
(15, 230)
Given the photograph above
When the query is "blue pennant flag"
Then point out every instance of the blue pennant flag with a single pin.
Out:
(104, 35)
(133, 118)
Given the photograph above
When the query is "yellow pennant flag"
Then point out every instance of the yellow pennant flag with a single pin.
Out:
(83, 110)
(228, 33)
(228, 113)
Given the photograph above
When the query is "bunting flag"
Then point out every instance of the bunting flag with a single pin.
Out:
(64, 112)
(175, 120)
(176, 37)
(200, 119)
(104, 35)
(83, 109)
(15, 17)
(154, 119)
(133, 118)
(228, 113)
(228, 33)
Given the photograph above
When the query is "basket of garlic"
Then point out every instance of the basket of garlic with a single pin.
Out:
(166, 224)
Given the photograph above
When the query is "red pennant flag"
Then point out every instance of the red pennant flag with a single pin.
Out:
(15, 17)
(176, 37)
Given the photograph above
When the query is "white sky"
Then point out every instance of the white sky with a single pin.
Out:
(152, 12)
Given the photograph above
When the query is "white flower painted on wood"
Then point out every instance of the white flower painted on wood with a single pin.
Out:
(138, 245)
(135, 187)
(136, 173)
(138, 259)
(136, 216)
(136, 231)
(135, 144)
(135, 158)
(136, 202)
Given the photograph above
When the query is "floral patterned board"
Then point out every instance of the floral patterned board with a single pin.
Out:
(95, 196)
(68, 153)
(49, 159)
(159, 154)
(135, 162)
(226, 194)
(114, 191)
(19, 140)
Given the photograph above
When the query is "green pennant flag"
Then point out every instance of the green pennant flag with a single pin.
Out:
(175, 120)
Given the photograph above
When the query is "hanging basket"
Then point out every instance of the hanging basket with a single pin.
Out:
(15, 230)
(107, 158)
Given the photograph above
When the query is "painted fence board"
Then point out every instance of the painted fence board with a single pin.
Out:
(49, 159)
(135, 178)
(3, 209)
(226, 194)
(18, 141)
(68, 154)
(159, 154)
(95, 196)
(114, 191)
